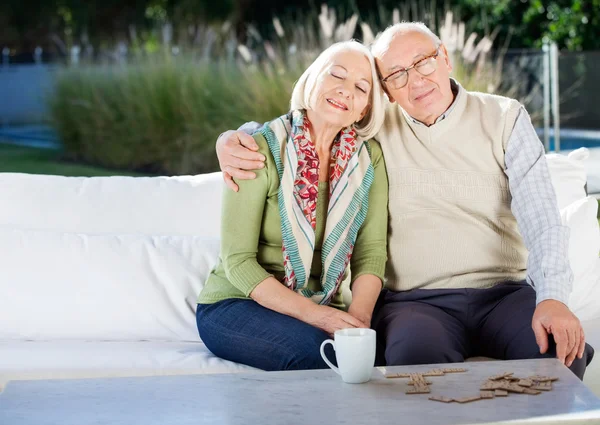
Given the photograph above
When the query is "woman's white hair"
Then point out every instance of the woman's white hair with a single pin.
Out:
(303, 89)
(383, 40)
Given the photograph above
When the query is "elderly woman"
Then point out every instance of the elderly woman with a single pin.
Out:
(318, 205)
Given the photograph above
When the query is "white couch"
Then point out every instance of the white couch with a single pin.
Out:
(99, 276)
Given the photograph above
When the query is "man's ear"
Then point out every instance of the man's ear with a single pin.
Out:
(383, 85)
(387, 93)
(446, 58)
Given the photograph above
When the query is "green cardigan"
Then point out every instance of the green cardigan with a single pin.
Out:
(251, 233)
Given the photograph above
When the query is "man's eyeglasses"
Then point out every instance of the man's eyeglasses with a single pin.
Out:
(426, 66)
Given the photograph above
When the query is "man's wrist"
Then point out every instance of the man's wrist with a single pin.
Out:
(544, 297)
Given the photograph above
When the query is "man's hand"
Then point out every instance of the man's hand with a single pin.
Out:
(237, 153)
(553, 317)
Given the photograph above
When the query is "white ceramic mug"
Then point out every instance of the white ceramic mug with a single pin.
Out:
(354, 352)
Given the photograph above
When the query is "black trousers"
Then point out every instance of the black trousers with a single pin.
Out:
(449, 325)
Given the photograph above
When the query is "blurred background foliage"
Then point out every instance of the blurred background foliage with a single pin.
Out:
(573, 24)
(148, 85)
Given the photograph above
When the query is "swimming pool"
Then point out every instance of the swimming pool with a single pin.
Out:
(35, 136)
(573, 138)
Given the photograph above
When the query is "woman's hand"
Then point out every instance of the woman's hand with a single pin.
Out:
(330, 319)
(271, 294)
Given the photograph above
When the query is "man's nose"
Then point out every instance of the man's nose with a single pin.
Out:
(415, 78)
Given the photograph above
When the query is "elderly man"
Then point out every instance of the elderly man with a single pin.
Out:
(474, 224)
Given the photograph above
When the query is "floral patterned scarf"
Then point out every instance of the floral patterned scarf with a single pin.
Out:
(350, 179)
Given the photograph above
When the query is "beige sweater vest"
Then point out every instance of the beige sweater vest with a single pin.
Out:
(451, 225)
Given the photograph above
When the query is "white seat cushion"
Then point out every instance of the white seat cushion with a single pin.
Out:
(93, 359)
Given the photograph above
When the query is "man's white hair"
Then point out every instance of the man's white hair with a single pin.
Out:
(301, 96)
(383, 40)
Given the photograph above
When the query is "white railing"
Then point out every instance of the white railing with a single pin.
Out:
(551, 95)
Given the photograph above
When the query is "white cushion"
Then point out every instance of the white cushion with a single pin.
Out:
(584, 239)
(584, 301)
(568, 176)
(584, 246)
(95, 359)
(184, 205)
(579, 213)
(103, 287)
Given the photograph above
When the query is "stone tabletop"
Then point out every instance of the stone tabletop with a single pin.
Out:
(304, 398)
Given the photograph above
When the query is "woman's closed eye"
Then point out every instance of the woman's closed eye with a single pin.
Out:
(362, 89)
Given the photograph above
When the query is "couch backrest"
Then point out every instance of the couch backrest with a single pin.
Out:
(185, 205)
(120, 258)
(568, 176)
(105, 258)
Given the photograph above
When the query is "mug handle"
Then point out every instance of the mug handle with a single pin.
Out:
(332, 342)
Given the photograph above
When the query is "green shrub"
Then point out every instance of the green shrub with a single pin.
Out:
(161, 113)
(162, 117)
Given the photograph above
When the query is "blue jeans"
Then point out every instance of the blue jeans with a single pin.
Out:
(245, 332)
